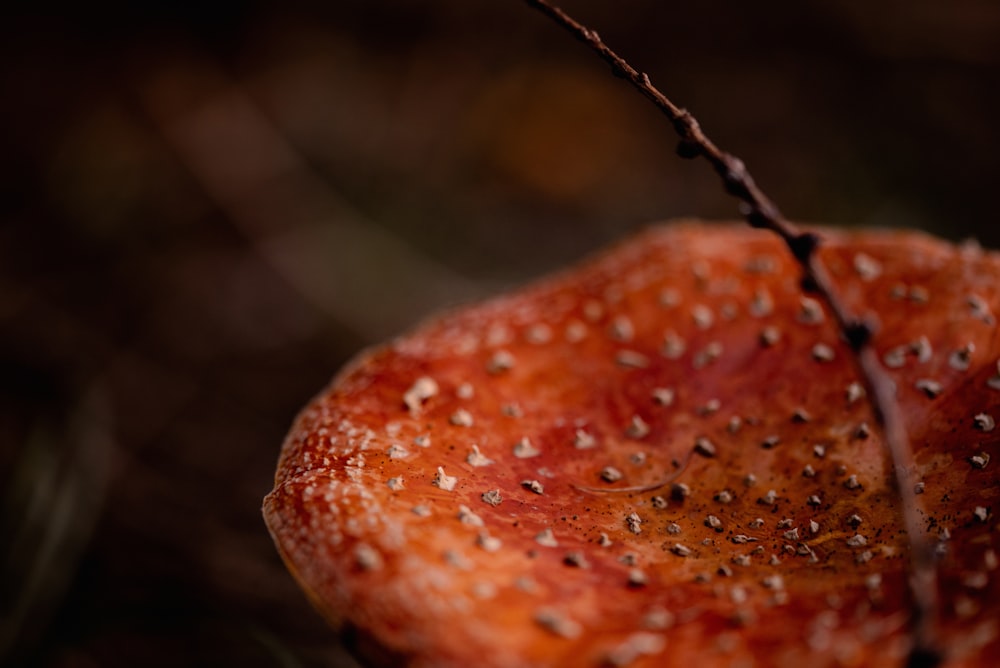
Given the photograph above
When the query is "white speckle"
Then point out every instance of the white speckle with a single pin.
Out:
(421, 511)
(492, 497)
(422, 441)
(707, 355)
(487, 542)
(857, 540)
(702, 315)
(961, 359)
(673, 346)
(863, 431)
(864, 557)
(761, 264)
(583, 441)
(680, 491)
(635, 646)
(994, 381)
(735, 422)
(461, 418)
(980, 309)
(634, 523)
(785, 523)
(990, 561)
(976, 580)
(465, 391)
(525, 584)
(622, 329)
(673, 529)
(502, 360)
(919, 295)
(632, 359)
(918, 488)
(397, 452)
(821, 352)
(855, 391)
(984, 422)
(423, 389)
(801, 416)
(593, 310)
(980, 461)
(704, 447)
(637, 428)
(658, 502)
(770, 442)
(894, 358)
(538, 334)
(773, 582)
(724, 496)
(524, 449)
(476, 458)
(808, 471)
(367, 557)
(922, 349)
(558, 624)
(931, 388)
(814, 500)
(637, 458)
(709, 407)
(663, 396)
(466, 516)
(810, 311)
(791, 534)
(855, 520)
(868, 268)
(576, 331)
(576, 559)
(714, 522)
(852, 482)
(756, 523)
(761, 304)
(395, 484)
(769, 498)
(670, 297)
(749, 480)
(637, 578)
(512, 410)
(443, 481)
(658, 619)
(546, 538)
(498, 335)
(813, 527)
(604, 541)
(681, 550)
(819, 451)
(769, 336)
(533, 485)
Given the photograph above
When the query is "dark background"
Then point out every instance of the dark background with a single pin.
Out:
(204, 212)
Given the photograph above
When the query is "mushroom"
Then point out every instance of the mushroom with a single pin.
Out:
(413, 581)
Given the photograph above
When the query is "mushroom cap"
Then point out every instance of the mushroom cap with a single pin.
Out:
(449, 499)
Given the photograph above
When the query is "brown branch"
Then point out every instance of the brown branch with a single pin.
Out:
(761, 212)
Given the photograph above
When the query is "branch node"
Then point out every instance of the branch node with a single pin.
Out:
(858, 334)
(803, 246)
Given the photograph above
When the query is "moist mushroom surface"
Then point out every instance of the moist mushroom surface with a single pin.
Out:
(660, 457)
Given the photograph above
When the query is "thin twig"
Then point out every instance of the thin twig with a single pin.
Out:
(761, 212)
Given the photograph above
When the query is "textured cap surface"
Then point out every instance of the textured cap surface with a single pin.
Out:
(450, 499)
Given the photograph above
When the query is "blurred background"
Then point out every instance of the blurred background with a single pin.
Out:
(206, 210)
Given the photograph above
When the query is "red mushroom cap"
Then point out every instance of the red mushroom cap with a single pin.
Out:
(461, 496)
